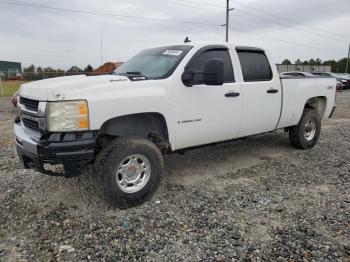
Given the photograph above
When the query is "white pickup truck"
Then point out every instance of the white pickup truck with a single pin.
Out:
(163, 100)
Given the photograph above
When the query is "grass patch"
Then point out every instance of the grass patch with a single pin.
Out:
(10, 87)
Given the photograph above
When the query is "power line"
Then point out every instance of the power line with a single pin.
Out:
(290, 26)
(264, 36)
(290, 20)
(119, 16)
(271, 19)
(197, 2)
(285, 41)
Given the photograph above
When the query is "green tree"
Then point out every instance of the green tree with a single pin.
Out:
(39, 73)
(286, 62)
(49, 69)
(312, 61)
(50, 72)
(29, 69)
(88, 69)
(298, 62)
(341, 64)
(332, 63)
(60, 72)
(28, 73)
(74, 70)
(318, 61)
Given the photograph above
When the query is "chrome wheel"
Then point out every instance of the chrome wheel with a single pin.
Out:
(133, 173)
(310, 130)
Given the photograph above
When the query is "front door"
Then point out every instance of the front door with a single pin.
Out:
(208, 113)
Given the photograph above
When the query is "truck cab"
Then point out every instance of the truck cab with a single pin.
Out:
(163, 100)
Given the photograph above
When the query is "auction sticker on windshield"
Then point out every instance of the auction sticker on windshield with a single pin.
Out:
(173, 52)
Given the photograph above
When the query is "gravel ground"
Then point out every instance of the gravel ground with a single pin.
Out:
(256, 199)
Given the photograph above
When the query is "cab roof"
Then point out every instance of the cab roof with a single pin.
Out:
(231, 44)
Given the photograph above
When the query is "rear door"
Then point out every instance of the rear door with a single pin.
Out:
(262, 94)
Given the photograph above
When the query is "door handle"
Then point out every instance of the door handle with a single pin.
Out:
(272, 91)
(232, 94)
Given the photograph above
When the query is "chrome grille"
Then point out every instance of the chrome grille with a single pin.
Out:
(33, 116)
(31, 124)
(29, 104)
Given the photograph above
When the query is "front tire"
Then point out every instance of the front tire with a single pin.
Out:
(306, 134)
(132, 170)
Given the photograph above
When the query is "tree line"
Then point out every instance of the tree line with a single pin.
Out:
(36, 73)
(337, 66)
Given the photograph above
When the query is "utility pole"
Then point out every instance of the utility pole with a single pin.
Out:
(347, 62)
(101, 46)
(228, 9)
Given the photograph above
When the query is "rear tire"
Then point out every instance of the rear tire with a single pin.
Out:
(306, 134)
(132, 170)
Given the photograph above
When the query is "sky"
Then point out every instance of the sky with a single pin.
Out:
(70, 34)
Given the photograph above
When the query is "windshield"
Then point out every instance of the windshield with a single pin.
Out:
(333, 75)
(155, 63)
(329, 74)
(342, 75)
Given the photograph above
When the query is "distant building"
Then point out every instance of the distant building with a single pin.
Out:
(304, 68)
(10, 69)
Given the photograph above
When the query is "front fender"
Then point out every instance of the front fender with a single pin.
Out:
(132, 101)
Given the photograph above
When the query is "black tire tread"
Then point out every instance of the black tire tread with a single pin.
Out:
(296, 132)
(101, 168)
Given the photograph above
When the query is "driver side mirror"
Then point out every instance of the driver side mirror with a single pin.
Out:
(188, 78)
(212, 74)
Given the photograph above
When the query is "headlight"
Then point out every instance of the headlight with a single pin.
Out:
(68, 116)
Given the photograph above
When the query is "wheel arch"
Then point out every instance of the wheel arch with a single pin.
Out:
(318, 103)
(139, 124)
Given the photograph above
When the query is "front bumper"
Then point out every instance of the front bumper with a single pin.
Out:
(59, 154)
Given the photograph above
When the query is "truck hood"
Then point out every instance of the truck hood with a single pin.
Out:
(61, 88)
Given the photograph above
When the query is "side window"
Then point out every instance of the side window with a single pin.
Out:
(255, 66)
(198, 64)
(294, 74)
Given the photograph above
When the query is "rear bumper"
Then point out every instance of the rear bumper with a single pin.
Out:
(55, 154)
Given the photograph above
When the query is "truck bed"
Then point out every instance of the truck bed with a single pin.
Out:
(297, 90)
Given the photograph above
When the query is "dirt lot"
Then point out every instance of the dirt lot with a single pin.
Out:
(252, 200)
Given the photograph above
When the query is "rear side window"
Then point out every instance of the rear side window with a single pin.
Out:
(198, 64)
(255, 66)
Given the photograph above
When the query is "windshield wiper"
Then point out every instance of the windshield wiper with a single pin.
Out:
(133, 76)
(133, 73)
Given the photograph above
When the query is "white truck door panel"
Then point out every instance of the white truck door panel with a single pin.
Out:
(261, 93)
(207, 113)
(204, 115)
